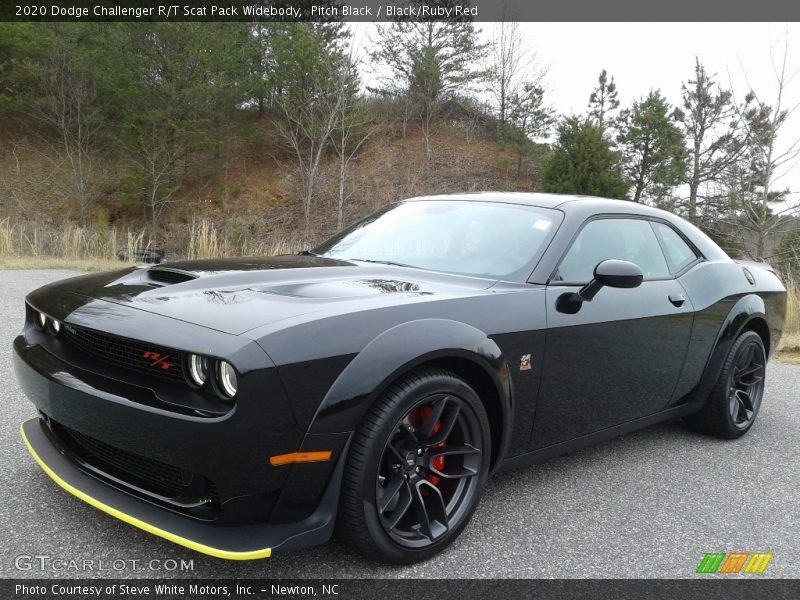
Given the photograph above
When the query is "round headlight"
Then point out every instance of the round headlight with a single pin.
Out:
(41, 320)
(226, 377)
(198, 369)
(55, 326)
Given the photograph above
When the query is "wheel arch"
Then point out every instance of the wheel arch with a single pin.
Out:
(487, 388)
(758, 323)
(451, 345)
(749, 312)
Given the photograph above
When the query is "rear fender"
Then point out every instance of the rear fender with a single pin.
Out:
(746, 309)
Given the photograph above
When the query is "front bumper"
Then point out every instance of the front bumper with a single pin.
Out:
(233, 543)
(257, 507)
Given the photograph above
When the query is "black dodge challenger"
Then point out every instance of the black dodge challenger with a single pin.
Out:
(244, 406)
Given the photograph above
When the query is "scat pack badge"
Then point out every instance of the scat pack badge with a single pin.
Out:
(525, 362)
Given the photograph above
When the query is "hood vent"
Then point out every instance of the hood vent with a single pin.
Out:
(169, 276)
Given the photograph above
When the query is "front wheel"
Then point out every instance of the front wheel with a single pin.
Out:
(734, 402)
(416, 468)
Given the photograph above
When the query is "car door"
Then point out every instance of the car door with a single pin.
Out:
(620, 356)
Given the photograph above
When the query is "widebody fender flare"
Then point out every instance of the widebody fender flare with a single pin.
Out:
(399, 350)
(744, 311)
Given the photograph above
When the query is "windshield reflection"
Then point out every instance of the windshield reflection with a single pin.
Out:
(485, 239)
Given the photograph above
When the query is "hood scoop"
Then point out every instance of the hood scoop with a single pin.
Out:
(166, 276)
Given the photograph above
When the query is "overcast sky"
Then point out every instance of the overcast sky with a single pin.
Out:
(642, 56)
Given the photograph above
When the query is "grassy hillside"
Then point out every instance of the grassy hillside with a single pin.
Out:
(244, 201)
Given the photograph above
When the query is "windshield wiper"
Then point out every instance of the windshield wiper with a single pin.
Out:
(382, 262)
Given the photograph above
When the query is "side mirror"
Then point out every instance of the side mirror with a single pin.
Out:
(609, 273)
(617, 274)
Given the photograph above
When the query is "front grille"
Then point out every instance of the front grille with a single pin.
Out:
(164, 362)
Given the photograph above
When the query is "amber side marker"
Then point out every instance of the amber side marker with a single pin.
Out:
(299, 457)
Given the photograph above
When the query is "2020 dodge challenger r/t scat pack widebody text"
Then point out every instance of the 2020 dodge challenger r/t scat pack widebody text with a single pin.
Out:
(243, 406)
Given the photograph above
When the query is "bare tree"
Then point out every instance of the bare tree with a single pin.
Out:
(757, 204)
(352, 128)
(407, 112)
(511, 64)
(155, 158)
(306, 125)
(68, 107)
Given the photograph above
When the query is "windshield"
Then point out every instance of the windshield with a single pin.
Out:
(486, 239)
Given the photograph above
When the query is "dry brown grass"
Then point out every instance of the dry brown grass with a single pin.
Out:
(206, 240)
(24, 246)
(789, 349)
(25, 241)
(58, 262)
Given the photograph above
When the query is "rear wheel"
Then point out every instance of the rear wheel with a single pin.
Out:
(734, 402)
(416, 468)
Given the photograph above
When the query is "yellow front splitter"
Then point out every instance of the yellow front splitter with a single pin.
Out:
(140, 514)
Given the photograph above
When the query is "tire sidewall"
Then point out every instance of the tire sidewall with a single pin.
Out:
(725, 379)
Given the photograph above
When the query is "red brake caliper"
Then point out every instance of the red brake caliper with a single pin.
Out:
(438, 462)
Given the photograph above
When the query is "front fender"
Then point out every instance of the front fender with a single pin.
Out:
(397, 351)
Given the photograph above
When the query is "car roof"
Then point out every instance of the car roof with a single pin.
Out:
(578, 208)
(565, 202)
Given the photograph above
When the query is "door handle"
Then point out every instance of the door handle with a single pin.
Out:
(677, 299)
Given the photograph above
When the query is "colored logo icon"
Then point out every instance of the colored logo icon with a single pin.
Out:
(754, 563)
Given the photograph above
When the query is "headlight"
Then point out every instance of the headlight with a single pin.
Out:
(41, 320)
(198, 369)
(226, 378)
(55, 326)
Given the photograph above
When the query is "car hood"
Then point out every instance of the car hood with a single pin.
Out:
(237, 295)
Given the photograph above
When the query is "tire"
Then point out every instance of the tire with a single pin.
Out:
(734, 402)
(400, 506)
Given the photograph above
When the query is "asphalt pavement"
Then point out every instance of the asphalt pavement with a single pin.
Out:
(648, 504)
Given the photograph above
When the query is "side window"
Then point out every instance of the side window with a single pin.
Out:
(624, 239)
(679, 253)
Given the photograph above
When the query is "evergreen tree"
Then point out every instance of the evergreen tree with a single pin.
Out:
(603, 100)
(712, 134)
(294, 55)
(430, 59)
(23, 47)
(651, 145)
(583, 162)
(429, 62)
(527, 119)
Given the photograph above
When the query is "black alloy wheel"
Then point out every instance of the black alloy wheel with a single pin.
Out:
(746, 383)
(416, 468)
(734, 402)
(427, 474)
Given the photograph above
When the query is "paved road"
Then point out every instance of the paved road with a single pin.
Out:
(648, 504)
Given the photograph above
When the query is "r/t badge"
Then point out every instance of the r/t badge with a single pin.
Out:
(525, 362)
